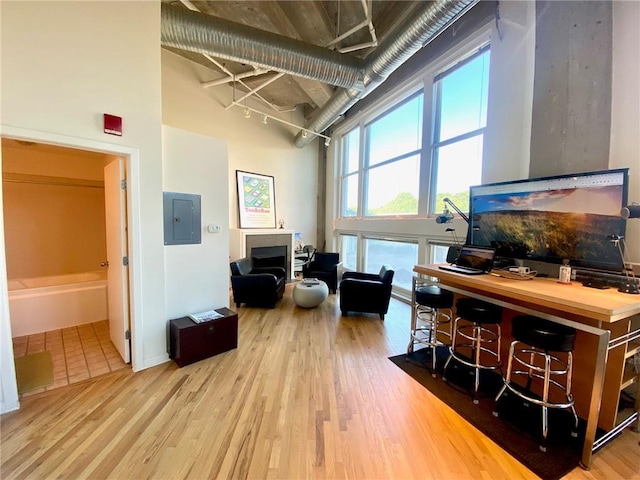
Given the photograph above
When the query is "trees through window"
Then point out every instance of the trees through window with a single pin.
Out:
(383, 178)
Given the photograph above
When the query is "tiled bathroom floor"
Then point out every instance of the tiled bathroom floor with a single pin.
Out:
(78, 353)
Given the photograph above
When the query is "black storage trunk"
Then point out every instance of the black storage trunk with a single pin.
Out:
(190, 342)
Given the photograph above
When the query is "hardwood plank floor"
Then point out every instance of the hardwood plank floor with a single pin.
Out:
(307, 394)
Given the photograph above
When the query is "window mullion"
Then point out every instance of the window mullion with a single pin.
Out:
(362, 161)
(437, 119)
(426, 160)
(441, 165)
(459, 138)
(394, 159)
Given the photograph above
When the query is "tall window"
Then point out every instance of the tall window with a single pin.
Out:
(397, 164)
(392, 160)
(460, 102)
(383, 159)
(350, 172)
(401, 255)
(348, 251)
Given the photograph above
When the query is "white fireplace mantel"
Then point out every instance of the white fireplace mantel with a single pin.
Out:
(240, 237)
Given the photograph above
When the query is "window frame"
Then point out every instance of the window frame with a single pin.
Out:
(362, 259)
(422, 227)
(345, 175)
(366, 165)
(424, 82)
(436, 145)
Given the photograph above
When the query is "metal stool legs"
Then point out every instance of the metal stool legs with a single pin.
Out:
(429, 322)
(553, 365)
(479, 338)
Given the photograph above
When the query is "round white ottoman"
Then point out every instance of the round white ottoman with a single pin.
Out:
(310, 296)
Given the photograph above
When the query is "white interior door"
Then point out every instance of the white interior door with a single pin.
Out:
(118, 278)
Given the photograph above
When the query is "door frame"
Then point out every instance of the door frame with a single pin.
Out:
(115, 195)
(9, 389)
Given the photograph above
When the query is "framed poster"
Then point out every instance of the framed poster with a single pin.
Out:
(256, 200)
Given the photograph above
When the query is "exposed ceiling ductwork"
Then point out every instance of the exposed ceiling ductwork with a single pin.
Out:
(407, 39)
(201, 33)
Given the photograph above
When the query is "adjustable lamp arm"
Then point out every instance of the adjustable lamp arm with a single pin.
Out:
(458, 211)
(632, 285)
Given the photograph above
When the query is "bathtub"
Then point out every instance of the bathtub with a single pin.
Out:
(53, 302)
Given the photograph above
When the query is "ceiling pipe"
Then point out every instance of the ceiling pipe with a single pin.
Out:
(417, 30)
(201, 33)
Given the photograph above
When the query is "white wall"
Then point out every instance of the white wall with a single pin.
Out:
(64, 64)
(625, 108)
(254, 147)
(508, 133)
(196, 276)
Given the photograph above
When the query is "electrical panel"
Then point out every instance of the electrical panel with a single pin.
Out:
(182, 218)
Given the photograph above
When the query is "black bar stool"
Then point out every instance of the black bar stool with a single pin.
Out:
(475, 336)
(428, 318)
(536, 345)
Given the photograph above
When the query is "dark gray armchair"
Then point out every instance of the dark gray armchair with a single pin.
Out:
(366, 292)
(258, 287)
(323, 266)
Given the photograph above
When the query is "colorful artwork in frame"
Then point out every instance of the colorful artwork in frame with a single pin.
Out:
(256, 200)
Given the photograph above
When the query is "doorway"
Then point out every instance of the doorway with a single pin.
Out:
(70, 169)
(77, 354)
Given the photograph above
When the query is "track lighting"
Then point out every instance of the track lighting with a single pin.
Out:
(264, 118)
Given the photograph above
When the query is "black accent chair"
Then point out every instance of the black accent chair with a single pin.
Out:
(366, 292)
(259, 286)
(324, 266)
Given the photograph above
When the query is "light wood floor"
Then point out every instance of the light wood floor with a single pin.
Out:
(78, 353)
(307, 394)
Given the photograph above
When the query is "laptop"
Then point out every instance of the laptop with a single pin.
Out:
(472, 261)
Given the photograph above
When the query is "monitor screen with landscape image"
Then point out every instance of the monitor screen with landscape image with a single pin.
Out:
(552, 218)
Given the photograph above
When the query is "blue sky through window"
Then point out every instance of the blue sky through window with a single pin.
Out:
(464, 98)
(397, 133)
(461, 94)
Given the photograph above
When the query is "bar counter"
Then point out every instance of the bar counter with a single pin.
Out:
(608, 324)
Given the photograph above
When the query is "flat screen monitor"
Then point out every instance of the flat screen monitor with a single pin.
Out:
(553, 218)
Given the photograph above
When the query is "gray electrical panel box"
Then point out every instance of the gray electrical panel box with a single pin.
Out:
(182, 222)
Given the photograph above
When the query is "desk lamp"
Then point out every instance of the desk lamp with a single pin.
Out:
(447, 216)
(632, 286)
(454, 252)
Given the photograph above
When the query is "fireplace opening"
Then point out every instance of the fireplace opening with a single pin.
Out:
(275, 256)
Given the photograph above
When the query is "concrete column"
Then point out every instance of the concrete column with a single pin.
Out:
(572, 87)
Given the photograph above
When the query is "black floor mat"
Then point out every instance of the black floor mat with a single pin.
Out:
(518, 427)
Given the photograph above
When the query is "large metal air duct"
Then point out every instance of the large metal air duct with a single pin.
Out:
(197, 32)
(201, 33)
(416, 31)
